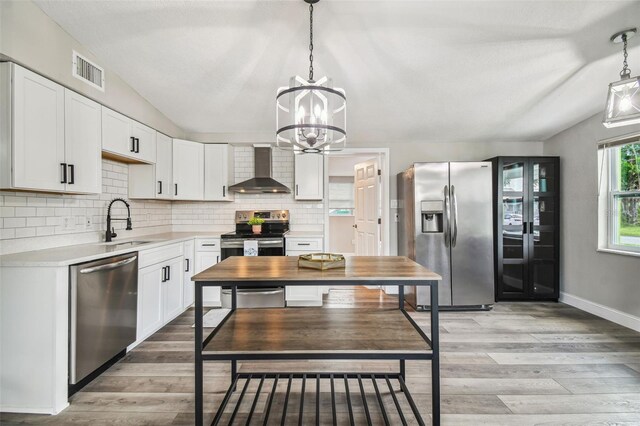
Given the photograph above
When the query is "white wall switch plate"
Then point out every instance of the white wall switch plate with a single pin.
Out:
(394, 204)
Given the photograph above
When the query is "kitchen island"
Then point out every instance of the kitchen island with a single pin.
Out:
(317, 334)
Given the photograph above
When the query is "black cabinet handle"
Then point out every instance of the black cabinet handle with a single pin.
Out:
(159, 187)
(72, 174)
(188, 266)
(304, 244)
(168, 273)
(217, 259)
(137, 146)
(176, 189)
(296, 189)
(224, 191)
(64, 172)
(524, 228)
(164, 273)
(531, 227)
(133, 144)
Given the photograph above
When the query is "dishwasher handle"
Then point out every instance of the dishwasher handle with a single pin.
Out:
(108, 266)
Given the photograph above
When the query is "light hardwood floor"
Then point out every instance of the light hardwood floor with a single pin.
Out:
(520, 364)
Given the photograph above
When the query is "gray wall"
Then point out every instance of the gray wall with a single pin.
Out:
(611, 280)
(29, 37)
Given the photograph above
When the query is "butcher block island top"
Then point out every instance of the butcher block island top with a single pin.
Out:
(285, 268)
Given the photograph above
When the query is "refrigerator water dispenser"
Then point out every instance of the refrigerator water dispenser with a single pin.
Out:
(432, 216)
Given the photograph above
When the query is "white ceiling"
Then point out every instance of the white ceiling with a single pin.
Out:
(412, 70)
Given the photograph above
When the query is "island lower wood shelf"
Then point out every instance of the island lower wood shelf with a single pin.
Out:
(317, 334)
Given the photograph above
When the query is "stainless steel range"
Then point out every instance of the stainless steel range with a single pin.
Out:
(269, 242)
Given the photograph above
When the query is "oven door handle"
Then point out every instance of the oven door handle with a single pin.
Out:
(261, 243)
(276, 291)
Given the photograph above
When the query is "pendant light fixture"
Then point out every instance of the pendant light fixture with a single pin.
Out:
(623, 102)
(311, 115)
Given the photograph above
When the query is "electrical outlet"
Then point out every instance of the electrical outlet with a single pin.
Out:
(88, 223)
(67, 223)
(396, 218)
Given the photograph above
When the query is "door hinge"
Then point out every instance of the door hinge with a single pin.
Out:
(379, 172)
(379, 221)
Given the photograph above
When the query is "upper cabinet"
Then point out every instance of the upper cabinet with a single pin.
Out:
(309, 177)
(126, 139)
(150, 181)
(218, 172)
(188, 170)
(50, 136)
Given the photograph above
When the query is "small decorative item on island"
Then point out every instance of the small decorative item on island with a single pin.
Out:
(321, 261)
(256, 224)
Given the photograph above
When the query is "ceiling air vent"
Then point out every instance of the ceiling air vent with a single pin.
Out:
(87, 71)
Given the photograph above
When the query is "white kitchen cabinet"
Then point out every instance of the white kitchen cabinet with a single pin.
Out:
(218, 172)
(172, 290)
(207, 255)
(49, 136)
(309, 176)
(83, 124)
(126, 139)
(154, 181)
(149, 300)
(188, 170)
(303, 295)
(189, 271)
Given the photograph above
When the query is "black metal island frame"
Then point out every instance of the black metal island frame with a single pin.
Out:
(317, 334)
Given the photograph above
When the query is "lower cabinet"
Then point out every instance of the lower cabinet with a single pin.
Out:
(159, 295)
(189, 271)
(303, 295)
(207, 255)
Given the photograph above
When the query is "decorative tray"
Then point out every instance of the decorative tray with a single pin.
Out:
(321, 261)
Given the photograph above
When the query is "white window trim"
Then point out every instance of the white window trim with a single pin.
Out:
(607, 211)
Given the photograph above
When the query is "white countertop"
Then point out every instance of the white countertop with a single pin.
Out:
(70, 255)
(304, 234)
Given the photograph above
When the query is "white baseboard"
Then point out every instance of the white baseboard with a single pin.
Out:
(613, 315)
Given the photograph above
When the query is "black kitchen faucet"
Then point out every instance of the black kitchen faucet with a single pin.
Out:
(110, 231)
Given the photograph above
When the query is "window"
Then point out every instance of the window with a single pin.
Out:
(341, 196)
(623, 196)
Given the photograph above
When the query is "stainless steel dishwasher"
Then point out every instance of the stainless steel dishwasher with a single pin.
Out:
(103, 313)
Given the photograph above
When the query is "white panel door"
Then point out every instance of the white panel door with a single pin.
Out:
(116, 133)
(38, 132)
(188, 170)
(149, 300)
(145, 142)
(367, 209)
(309, 176)
(189, 271)
(164, 167)
(204, 260)
(172, 291)
(83, 135)
(216, 172)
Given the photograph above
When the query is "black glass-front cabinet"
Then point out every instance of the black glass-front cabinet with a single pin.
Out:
(526, 232)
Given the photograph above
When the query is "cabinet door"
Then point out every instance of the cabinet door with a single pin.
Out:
(149, 300)
(216, 172)
(189, 271)
(188, 170)
(309, 177)
(172, 291)
(543, 226)
(204, 260)
(513, 217)
(38, 132)
(145, 144)
(116, 134)
(83, 133)
(163, 167)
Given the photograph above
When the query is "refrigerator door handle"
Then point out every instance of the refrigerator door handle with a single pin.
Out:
(447, 216)
(454, 207)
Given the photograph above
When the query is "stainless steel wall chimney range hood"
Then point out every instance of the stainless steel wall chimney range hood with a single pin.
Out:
(262, 183)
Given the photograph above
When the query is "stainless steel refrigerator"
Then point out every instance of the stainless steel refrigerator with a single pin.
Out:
(445, 223)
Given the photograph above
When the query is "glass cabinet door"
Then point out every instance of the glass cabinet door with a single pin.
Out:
(543, 226)
(514, 217)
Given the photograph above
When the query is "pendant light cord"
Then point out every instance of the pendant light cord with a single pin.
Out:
(311, 42)
(626, 72)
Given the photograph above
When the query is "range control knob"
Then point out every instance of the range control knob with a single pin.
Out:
(284, 215)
